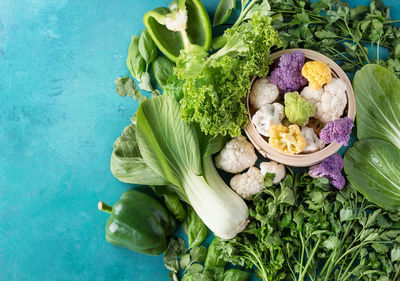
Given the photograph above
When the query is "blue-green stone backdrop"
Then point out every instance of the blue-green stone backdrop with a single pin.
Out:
(59, 116)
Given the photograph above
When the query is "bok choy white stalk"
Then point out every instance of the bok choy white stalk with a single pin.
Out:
(173, 149)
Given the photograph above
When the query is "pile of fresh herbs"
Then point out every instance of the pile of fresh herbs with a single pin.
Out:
(351, 36)
(303, 229)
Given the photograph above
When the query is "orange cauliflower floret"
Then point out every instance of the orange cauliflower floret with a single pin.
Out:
(288, 140)
(317, 73)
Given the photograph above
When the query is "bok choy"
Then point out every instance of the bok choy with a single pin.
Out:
(180, 155)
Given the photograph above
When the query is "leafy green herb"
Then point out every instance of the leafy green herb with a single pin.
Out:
(350, 36)
(176, 248)
(320, 234)
(147, 48)
(268, 180)
(235, 275)
(163, 69)
(125, 86)
(194, 228)
(177, 258)
(135, 61)
(223, 11)
(214, 258)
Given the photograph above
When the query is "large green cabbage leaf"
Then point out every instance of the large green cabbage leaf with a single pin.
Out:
(372, 167)
(127, 163)
(377, 92)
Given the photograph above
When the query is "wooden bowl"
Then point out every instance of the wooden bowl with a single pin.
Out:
(301, 160)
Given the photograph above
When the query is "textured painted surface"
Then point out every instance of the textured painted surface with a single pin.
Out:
(59, 116)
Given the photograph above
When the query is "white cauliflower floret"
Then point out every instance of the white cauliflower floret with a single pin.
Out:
(268, 115)
(237, 155)
(273, 167)
(333, 100)
(262, 92)
(248, 184)
(313, 142)
(330, 102)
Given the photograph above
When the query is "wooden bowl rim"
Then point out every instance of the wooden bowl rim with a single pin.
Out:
(301, 160)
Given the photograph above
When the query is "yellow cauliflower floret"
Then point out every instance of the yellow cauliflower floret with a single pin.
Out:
(317, 73)
(288, 140)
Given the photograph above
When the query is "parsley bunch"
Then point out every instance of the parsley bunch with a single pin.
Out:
(304, 229)
(351, 36)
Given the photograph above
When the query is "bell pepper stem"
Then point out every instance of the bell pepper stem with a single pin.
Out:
(104, 207)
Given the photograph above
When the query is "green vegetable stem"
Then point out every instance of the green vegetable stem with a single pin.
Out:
(138, 222)
(178, 27)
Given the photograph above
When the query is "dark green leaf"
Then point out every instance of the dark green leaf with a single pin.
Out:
(194, 228)
(198, 254)
(195, 268)
(125, 86)
(185, 261)
(214, 258)
(223, 11)
(163, 70)
(236, 275)
(175, 206)
(324, 34)
(135, 61)
(215, 273)
(147, 48)
(175, 249)
(268, 179)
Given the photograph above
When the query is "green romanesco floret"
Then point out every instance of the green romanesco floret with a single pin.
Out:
(297, 109)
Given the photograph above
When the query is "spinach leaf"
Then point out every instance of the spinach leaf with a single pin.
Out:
(175, 206)
(125, 86)
(163, 69)
(194, 228)
(378, 104)
(223, 11)
(127, 164)
(135, 61)
(147, 47)
(371, 165)
(236, 275)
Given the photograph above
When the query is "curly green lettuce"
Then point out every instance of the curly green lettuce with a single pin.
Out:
(215, 85)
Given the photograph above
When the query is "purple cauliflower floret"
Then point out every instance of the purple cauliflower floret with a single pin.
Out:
(287, 76)
(338, 131)
(330, 168)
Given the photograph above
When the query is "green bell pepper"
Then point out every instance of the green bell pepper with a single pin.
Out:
(178, 27)
(138, 222)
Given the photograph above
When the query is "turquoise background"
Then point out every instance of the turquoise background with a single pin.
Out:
(59, 116)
